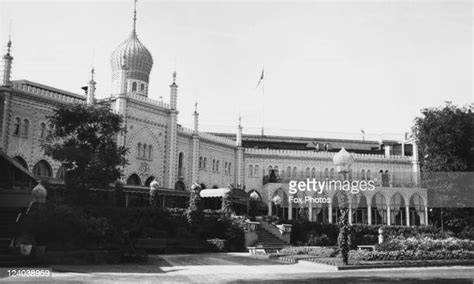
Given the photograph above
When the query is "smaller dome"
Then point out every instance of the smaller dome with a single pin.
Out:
(254, 195)
(343, 160)
(195, 186)
(39, 194)
(154, 187)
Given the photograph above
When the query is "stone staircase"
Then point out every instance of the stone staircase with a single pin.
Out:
(268, 242)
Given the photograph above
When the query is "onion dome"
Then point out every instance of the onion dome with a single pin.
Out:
(343, 160)
(134, 56)
(39, 194)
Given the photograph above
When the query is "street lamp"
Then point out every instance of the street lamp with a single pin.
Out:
(277, 201)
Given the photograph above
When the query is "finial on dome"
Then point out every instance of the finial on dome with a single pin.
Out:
(9, 44)
(92, 73)
(174, 77)
(195, 107)
(134, 17)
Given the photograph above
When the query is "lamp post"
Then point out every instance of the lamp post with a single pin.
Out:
(277, 201)
(343, 161)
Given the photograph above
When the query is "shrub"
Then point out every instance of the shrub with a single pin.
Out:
(313, 251)
(426, 244)
(363, 255)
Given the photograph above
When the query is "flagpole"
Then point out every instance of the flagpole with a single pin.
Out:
(263, 107)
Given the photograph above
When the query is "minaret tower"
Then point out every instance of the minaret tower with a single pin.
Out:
(173, 134)
(91, 89)
(195, 162)
(239, 159)
(7, 103)
(131, 53)
(7, 65)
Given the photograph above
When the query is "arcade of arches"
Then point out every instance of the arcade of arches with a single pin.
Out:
(371, 210)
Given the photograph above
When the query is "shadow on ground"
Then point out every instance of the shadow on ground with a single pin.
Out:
(353, 280)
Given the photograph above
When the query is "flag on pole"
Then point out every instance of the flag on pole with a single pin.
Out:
(261, 78)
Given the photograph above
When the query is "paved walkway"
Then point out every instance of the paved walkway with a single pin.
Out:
(238, 267)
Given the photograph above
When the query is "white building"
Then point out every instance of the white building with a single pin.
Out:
(177, 157)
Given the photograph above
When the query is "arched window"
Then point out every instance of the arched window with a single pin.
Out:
(217, 166)
(139, 149)
(230, 164)
(379, 208)
(225, 168)
(313, 172)
(142, 87)
(134, 179)
(145, 148)
(42, 169)
(42, 130)
(368, 175)
(326, 173)
(150, 151)
(331, 173)
(307, 173)
(200, 162)
(294, 172)
(180, 160)
(250, 170)
(180, 186)
(26, 128)
(256, 171)
(288, 172)
(362, 174)
(276, 170)
(204, 166)
(213, 165)
(16, 129)
(134, 86)
(149, 180)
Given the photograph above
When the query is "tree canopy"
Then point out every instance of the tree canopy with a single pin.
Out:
(445, 137)
(84, 141)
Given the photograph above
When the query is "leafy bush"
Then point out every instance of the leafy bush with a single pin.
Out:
(217, 245)
(309, 233)
(426, 244)
(313, 251)
(467, 233)
(363, 255)
(65, 227)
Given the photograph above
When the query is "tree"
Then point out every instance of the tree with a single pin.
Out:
(445, 136)
(84, 141)
(227, 209)
(193, 213)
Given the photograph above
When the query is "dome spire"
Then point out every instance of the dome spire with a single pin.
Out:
(134, 17)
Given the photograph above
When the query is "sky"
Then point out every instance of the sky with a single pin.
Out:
(332, 68)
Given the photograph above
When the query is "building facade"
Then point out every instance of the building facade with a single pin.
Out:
(162, 150)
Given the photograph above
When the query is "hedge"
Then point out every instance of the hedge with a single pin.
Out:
(363, 255)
